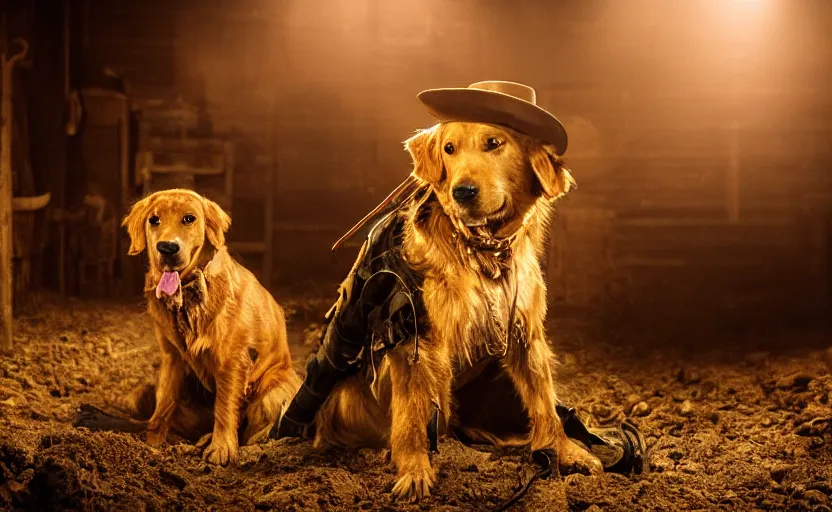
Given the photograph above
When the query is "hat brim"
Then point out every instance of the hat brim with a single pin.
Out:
(481, 106)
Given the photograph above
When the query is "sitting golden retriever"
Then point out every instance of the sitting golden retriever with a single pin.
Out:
(476, 238)
(225, 356)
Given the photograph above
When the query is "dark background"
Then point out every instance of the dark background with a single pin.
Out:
(699, 134)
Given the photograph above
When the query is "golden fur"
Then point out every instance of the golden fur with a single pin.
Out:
(221, 331)
(468, 293)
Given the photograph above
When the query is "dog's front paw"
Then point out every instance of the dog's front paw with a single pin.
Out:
(572, 458)
(415, 480)
(220, 452)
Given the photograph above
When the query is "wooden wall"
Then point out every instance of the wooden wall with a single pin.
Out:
(699, 131)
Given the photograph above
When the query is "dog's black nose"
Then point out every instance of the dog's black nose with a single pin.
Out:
(167, 248)
(465, 193)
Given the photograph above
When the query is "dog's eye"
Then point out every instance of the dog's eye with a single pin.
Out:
(449, 148)
(492, 143)
(154, 220)
(188, 219)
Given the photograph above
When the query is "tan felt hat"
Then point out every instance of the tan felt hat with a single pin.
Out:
(496, 102)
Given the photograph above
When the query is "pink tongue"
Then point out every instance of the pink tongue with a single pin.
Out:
(168, 284)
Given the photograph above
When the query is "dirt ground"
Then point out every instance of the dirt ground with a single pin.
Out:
(729, 429)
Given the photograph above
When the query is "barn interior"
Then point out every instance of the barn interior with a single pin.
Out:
(688, 275)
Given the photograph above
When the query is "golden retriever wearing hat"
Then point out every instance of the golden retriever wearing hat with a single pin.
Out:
(476, 236)
(226, 367)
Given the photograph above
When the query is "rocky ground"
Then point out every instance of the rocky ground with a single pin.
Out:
(729, 429)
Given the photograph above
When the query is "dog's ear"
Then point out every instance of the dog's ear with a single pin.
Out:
(554, 178)
(217, 223)
(135, 224)
(427, 161)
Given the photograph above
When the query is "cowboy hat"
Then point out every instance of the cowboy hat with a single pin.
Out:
(496, 102)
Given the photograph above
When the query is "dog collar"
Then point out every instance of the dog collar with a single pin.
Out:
(498, 248)
(483, 241)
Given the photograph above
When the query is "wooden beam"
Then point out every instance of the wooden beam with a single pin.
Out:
(6, 198)
(5, 207)
(62, 228)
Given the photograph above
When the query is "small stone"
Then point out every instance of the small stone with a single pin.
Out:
(641, 409)
(632, 401)
(686, 409)
(779, 472)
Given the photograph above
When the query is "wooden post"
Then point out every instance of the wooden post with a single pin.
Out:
(6, 239)
(5, 209)
(62, 199)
